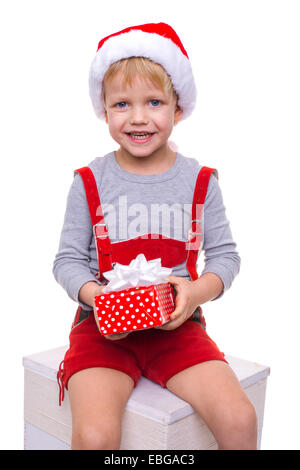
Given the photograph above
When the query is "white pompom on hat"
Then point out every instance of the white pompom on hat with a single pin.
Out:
(155, 41)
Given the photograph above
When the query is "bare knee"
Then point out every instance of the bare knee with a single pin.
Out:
(239, 427)
(95, 437)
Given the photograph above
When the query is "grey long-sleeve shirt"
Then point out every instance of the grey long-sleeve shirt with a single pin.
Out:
(134, 205)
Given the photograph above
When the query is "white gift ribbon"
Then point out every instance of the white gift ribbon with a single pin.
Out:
(138, 273)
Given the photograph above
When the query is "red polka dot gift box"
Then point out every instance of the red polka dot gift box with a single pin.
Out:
(137, 296)
(135, 308)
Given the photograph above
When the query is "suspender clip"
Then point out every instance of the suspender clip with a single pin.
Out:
(101, 234)
(191, 234)
(104, 234)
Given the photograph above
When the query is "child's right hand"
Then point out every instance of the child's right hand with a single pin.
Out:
(114, 337)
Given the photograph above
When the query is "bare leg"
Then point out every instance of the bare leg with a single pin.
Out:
(98, 397)
(216, 394)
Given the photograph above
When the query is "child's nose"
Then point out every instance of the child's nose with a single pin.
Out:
(138, 115)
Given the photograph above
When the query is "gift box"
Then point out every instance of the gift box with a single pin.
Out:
(137, 297)
(134, 309)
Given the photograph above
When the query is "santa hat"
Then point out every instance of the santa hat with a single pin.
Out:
(155, 41)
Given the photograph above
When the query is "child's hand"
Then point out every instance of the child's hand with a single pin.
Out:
(98, 290)
(186, 302)
(111, 337)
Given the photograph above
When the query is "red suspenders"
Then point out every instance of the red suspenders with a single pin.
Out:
(196, 236)
(102, 240)
(103, 245)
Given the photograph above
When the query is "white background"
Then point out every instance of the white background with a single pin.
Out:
(245, 56)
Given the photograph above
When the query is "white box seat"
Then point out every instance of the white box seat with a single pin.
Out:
(154, 418)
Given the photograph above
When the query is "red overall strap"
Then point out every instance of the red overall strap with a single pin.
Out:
(102, 241)
(195, 236)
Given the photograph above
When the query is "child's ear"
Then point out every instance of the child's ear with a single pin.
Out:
(178, 114)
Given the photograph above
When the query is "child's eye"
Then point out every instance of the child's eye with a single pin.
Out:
(121, 105)
(155, 102)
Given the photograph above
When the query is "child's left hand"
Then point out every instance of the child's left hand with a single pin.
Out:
(186, 302)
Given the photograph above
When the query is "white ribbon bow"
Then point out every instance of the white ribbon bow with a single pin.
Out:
(139, 272)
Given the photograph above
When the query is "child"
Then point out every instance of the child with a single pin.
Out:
(142, 84)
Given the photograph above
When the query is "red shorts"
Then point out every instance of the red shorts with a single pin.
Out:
(153, 353)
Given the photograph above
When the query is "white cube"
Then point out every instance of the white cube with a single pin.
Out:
(154, 417)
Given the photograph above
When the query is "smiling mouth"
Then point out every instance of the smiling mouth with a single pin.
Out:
(140, 135)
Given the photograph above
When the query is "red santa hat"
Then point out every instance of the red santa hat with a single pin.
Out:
(155, 41)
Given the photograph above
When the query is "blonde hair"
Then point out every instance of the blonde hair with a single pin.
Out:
(133, 66)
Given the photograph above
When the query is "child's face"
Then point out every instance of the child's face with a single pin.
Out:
(141, 117)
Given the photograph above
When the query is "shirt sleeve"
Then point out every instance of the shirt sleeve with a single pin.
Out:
(71, 267)
(220, 254)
